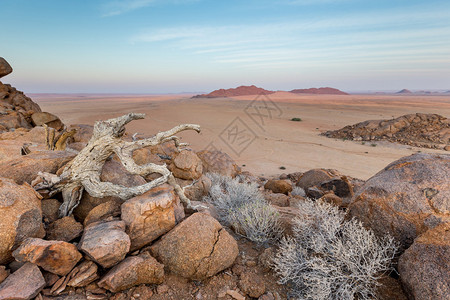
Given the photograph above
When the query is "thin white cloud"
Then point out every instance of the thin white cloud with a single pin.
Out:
(118, 7)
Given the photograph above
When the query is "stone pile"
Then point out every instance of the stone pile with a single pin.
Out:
(418, 130)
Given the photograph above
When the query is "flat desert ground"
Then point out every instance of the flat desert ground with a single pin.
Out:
(256, 131)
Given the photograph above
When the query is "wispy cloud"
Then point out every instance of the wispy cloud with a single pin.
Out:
(118, 7)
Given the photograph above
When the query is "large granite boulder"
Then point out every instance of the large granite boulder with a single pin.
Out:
(405, 199)
(186, 165)
(197, 248)
(425, 266)
(46, 118)
(20, 216)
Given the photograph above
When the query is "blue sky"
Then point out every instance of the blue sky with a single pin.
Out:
(157, 46)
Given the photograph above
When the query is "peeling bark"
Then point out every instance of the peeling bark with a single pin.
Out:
(83, 172)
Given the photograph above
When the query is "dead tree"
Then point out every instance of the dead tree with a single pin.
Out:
(83, 172)
(57, 141)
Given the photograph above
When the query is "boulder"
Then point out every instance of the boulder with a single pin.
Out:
(64, 229)
(339, 186)
(278, 186)
(149, 215)
(83, 133)
(218, 162)
(186, 165)
(83, 274)
(314, 192)
(106, 243)
(56, 257)
(132, 271)
(5, 68)
(196, 191)
(405, 199)
(145, 156)
(197, 248)
(276, 199)
(33, 135)
(50, 210)
(315, 177)
(12, 149)
(24, 284)
(425, 268)
(41, 118)
(105, 211)
(20, 216)
(113, 171)
(25, 168)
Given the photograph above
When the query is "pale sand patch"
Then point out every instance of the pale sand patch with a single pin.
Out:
(280, 142)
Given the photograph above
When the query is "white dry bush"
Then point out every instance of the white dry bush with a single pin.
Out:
(298, 191)
(331, 258)
(242, 207)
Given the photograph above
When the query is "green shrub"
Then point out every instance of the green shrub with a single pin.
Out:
(296, 119)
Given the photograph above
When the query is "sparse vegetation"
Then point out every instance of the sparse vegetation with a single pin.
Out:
(242, 207)
(296, 119)
(330, 258)
(282, 168)
(363, 143)
(373, 145)
(298, 191)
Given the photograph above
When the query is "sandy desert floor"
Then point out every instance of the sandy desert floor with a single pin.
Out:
(256, 130)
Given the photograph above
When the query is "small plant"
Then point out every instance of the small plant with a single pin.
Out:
(363, 143)
(282, 168)
(373, 145)
(298, 191)
(242, 207)
(296, 119)
(330, 258)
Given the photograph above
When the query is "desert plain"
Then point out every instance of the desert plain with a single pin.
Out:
(257, 131)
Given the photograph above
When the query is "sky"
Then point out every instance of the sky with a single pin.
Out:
(173, 46)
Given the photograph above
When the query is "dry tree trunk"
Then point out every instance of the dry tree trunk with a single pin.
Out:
(83, 172)
(57, 142)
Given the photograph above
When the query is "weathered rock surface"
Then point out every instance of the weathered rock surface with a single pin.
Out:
(64, 229)
(134, 270)
(278, 186)
(405, 199)
(104, 211)
(41, 118)
(83, 274)
(57, 257)
(33, 135)
(198, 190)
(197, 248)
(425, 267)
(276, 199)
(114, 172)
(186, 165)
(3, 273)
(106, 243)
(50, 210)
(340, 186)
(149, 215)
(24, 284)
(25, 168)
(420, 130)
(5, 67)
(252, 285)
(218, 162)
(315, 177)
(83, 133)
(20, 216)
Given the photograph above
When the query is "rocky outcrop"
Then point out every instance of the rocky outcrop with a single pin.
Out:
(24, 284)
(405, 199)
(149, 215)
(419, 130)
(239, 91)
(424, 267)
(322, 90)
(56, 257)
(132, 271)
(218, 162)
(20, 216)
(106, 243)
(197, 248)
(5, 68)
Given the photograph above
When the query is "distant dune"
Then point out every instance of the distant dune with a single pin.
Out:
(239, 91)
(322, 90)
(404, 91)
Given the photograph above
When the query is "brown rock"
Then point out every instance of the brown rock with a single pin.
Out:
(83, 133)
(278, 186)
(252, 284)
(287, 216)
(34, 135)
(186, 165)
(106, 243)
(24, 284)
(54, 256)
(83, 274)
(20, 216)
(104, 211)
(134, 270)
(425, 268)
(314, 193)
(218, 162)
(65, 229)
(41, 118)
(25, 168)
(198, 190)
(113, 171)
(235, 295)
(197, 248)
(447, 148)
(405, 199)
(5, 68)
(145, 156)
(276, 199)
(149, 215)
(340, 186)
(314, 177)
(3, 273)
(333, 199)
(50, 210)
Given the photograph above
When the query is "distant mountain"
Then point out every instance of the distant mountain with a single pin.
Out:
(322, 90)
(404, 91)
(239, 91)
